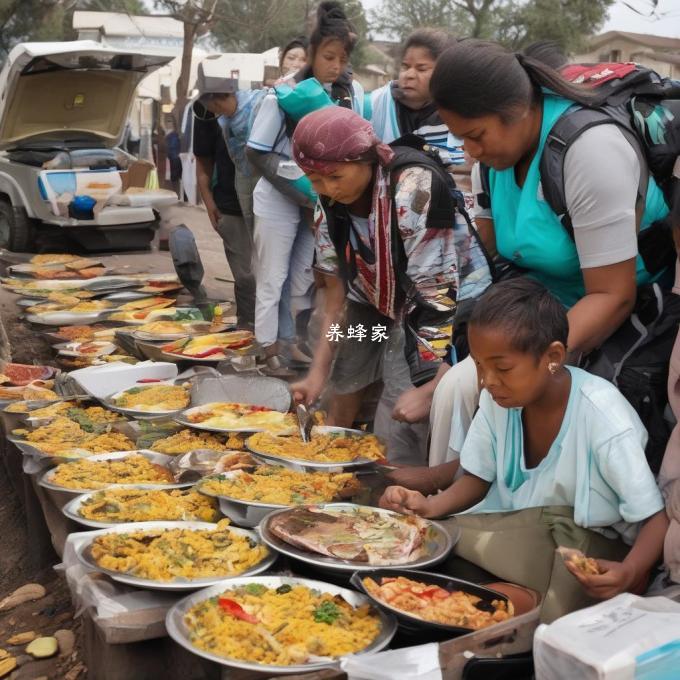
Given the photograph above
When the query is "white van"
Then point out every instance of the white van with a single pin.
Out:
(63, 112)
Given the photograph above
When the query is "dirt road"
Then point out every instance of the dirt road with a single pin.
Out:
(19, 563)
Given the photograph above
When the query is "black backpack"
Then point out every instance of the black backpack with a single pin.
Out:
(445, 200)
(646, 108)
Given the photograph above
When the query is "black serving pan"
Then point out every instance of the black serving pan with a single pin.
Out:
(412, 624)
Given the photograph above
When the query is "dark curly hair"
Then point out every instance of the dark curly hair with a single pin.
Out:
(529, 315)
(332, 23)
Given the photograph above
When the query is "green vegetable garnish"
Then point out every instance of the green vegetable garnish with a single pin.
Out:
(255, 589)
(285, 588)
(327, 612)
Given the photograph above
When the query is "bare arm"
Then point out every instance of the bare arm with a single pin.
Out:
(608, 302)
(308, 390)
(465, 492)
(204, 172)
(413, 406)
(632, 574)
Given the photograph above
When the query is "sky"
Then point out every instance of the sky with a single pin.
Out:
(621, 18)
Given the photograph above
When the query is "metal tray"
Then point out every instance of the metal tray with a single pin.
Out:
(72, 508)
(243, 513)
(83, 554)
(68, 349)
(137, 413)
(183, 419)
(307, 464)
(159, 458)
(123, 426)
(177, 629)
(410, 622)
(68, 318)
(30, 267)
(438, 543)
(191, 330)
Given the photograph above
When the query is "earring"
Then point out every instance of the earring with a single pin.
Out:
(552, 367)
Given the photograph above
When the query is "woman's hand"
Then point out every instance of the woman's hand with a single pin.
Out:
(414, 478)
(400, 499)
(413, 406)
(307, 391)
(616, 578)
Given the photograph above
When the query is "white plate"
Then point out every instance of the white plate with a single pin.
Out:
(183, 419)
(311, 465)
(192, 329)
(67, 318)
(159, 458)
(139, 413)
(177, 585)
(71, 349)
(72, 508)
(244, 513)
(178, 631)
(438, 543)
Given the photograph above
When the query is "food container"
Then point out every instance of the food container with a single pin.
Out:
(34, 450)
(72, 508)
(413, 624)
(437, 543)
(158, 458)
(144, 414)
(184, 418)
(178, 631)
(306, 465)
(177, 585)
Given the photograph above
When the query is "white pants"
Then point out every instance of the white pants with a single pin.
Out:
(453, 405)
(281, 247)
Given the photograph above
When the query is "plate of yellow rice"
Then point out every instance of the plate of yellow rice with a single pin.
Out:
(144, 503)
(175, 556)
(278, 624)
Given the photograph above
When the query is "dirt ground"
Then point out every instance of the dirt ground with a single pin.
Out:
(17, 553)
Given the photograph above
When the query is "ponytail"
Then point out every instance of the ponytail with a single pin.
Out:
(475, 78)
(332, 24)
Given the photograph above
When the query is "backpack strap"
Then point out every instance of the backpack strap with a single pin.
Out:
(412, 151)
(568, 128)
(484, 197)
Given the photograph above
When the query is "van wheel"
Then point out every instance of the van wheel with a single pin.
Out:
(16, 228)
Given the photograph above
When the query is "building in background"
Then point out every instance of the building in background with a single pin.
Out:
(653, 51)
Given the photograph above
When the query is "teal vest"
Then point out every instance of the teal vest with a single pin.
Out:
(531, 235)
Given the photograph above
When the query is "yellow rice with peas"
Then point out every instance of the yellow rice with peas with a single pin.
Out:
(98, 474)
(146, 505)
(66, 438)
(280, 626)
(186, 440)
(280, 486)
(171, 554)
(327, 448)
(154, 398)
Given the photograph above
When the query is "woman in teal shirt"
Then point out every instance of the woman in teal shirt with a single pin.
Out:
(503, 105)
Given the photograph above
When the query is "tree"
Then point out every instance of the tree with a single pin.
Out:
(36, 20)
(512, 22)
(567, 23)
(398, 18)
(258, 25)
(197, 17)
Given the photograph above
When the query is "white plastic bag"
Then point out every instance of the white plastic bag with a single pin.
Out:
(612, 640)
(420, 662)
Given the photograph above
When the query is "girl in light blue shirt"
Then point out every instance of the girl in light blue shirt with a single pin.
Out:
(548, 435)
